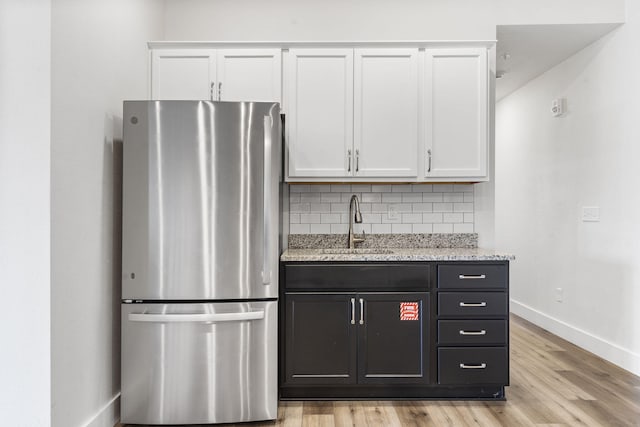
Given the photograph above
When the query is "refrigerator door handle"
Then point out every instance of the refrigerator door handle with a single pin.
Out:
(266, 192)
(199, 317)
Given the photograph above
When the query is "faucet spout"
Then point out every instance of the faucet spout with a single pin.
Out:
(357, 217)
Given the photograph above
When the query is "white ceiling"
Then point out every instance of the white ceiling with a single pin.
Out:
(534, 49)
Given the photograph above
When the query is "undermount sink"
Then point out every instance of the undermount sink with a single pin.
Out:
(346, 251)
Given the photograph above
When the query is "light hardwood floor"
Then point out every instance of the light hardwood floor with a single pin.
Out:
(553, 383)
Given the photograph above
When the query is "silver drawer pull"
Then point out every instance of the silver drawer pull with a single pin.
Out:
(471, 276)
(473, 304)
(353, 311)
(480, 366)
(482, 332)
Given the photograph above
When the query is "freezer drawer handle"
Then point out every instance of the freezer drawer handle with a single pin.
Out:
(206, 317)
(480, 366)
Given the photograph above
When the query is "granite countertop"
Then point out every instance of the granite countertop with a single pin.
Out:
(395, 254)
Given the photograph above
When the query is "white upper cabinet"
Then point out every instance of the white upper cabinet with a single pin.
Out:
(456, 114)
(183, 74)
(216, 74)
(320, 113)
(386, 112)
(249, 75)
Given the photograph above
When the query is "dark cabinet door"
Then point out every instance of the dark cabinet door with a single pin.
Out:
(393, 338)
(320, 342)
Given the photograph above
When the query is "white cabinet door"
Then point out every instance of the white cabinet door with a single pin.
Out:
(320, 112)
(185, 74)
(249, 74)
(386, 112)
(456, 113)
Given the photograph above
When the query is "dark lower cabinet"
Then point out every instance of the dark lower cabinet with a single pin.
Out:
(382, 331)
(366, 338)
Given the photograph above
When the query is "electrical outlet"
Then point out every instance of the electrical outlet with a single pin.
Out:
(393, 212)
(559, 294)
(590, 214)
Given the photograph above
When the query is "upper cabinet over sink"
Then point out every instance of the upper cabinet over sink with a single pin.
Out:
(355, 112)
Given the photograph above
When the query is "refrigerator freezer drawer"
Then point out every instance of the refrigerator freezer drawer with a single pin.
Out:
(199, 363)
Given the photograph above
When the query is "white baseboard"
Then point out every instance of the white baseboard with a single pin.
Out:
(609, 351)
(108, 416)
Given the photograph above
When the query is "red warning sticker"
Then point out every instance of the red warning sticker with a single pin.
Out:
(409, 311)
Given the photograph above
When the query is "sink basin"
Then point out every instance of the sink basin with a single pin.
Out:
(346, 251)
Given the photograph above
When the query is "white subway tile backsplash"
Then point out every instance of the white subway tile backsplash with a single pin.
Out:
(299, 188)
(340, 188)
(432, 197)
(381, 228)
(380, 188)
(422, 188)
(453, 197)
(443, 228)
(320, 207)
(463, 207)
(422, 207)
(428, 208)
(401, 228)
(431, 218)
(330, 218)
(299, 229)
(320, 228)
(391, 198)
(299, 207)
(463, 228)
(411, 218)
(330, 197)
(406, 188)
(412, 197)
(371, 198)
(313, 218)
(453, 217)
(339, 228)
(309, 197)
(422, 228)
(443, 207)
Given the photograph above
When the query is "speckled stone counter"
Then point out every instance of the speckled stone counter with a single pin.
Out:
(390, 247)
(395, 254)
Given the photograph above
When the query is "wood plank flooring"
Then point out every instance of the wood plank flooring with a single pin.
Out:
(553, 383)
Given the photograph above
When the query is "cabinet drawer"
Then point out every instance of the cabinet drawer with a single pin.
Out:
(386, 277)
(472, 276)
(472, 304)
(473, 365)
(472, 332)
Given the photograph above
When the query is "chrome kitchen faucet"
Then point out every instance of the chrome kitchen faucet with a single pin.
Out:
(357, 217)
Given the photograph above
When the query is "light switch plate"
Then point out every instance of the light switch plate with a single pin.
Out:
(392, 212)
(590, 214)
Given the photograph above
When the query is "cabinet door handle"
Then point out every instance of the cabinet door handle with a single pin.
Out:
(471, 276)
(473, 304)
(353, 311)
(482, 332)
(212, 88)
(429, 160)
(361, 311)
(480, 366)
(357, 160)
(219, 91)
(349, 160)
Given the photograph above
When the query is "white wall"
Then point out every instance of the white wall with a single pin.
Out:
(99, 58)
(372, 19)
(549, 168)
(24, 212)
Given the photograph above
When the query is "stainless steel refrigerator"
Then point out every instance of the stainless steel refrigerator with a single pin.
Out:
(200, 261)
